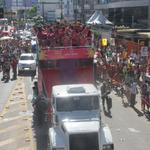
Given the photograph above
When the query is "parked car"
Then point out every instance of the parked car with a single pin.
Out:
(27, 64)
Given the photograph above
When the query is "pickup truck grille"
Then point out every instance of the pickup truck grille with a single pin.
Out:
(85, 141)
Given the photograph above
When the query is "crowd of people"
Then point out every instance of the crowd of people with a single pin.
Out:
(63, 34)
(10, 51)
(114, 64)
(127, 71)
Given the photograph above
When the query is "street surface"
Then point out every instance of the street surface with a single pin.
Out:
(17, 130)
(130, 128)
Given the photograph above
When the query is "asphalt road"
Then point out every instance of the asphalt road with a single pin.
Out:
(130, 128)
(40, 132)
(5, 90)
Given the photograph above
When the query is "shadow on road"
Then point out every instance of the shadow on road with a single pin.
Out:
(137, 111)
(41, 136)
(125, 104)
(107, 113)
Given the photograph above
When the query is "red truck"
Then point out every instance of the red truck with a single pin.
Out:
(65, 56)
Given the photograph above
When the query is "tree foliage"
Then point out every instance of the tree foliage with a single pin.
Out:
(32, 11)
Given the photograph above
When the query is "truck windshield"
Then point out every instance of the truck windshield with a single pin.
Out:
(77, 103)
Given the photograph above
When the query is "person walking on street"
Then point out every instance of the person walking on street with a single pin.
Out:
(144, 97)
(133, 92)
(6, 71)
(105, 90)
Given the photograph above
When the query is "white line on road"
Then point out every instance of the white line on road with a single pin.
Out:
(133, 130)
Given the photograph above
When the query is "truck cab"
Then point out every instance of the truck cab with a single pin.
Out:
(76, 119)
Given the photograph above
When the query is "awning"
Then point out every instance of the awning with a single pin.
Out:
(98, 19)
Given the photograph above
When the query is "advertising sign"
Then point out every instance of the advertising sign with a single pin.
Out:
(67, 54)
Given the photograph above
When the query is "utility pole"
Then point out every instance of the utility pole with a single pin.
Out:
(75, 9)
(82, 11)
(17, 9)
(61, 7)
(43, 9)
(149, 14)
(25, 11)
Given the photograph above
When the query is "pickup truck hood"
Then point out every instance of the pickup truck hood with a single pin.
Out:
(26, 61)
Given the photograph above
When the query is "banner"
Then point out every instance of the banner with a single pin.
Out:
(69, 53)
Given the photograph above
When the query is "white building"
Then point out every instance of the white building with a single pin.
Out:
(68, 9)
(55, 9)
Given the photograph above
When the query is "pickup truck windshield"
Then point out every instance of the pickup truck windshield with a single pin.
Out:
(26, 58)
(77, 103)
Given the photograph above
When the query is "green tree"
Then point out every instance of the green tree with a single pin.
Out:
(32, 11)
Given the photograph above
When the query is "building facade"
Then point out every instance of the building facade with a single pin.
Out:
(55, 9)
(19, 4)
(17, 8)
(83, 9)
(126, 12)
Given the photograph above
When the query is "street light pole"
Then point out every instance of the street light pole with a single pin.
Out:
(83, 11)
(148, 13)
(61, 7)
(75, 10)
(43, 9)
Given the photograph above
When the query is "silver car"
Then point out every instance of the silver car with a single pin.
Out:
(27, 64)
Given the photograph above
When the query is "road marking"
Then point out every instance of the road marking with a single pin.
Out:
(10, 119)
(133, 130)
(5, 142)
(24, 148)
(11, 128)
(12, 142)
(118, 130)
(17, 96)
(27, 113)
(16, 102)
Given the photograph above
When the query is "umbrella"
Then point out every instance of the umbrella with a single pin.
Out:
(5, 38)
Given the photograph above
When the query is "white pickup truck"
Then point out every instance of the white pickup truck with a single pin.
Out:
(77, 121)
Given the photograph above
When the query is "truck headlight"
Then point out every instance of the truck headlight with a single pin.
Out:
(108, 146)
